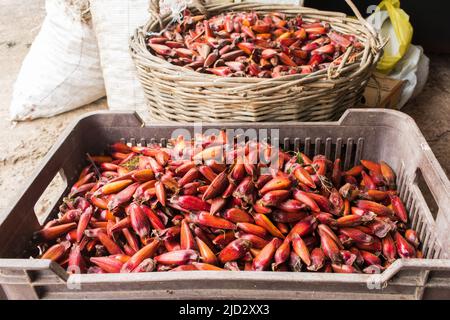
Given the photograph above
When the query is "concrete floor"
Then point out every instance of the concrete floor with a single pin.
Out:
(22, 146)
(431, 109)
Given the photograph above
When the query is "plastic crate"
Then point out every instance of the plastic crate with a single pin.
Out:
(370, 134)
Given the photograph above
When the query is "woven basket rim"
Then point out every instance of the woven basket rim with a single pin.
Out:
(139, 48)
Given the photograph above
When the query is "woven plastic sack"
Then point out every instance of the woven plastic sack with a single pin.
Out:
(61, 71)
(114, 21)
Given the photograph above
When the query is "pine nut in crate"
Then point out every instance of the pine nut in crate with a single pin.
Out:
(221, 90)
(358, 135)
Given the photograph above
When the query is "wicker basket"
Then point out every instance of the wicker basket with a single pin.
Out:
(179, 94)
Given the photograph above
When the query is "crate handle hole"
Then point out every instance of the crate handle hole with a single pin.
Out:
(49, 198)
(427, 194)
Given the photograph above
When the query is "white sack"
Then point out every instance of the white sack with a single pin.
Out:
(114, 22)
(62, 71)
(413, 67)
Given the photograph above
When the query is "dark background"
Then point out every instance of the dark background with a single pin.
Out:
(429, 18)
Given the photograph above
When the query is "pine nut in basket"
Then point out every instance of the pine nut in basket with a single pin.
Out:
(253, 62)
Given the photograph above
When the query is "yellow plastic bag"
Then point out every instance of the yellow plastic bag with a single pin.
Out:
(399, 40)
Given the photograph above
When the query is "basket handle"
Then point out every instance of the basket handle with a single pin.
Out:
(155, 9)
(360, 17)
